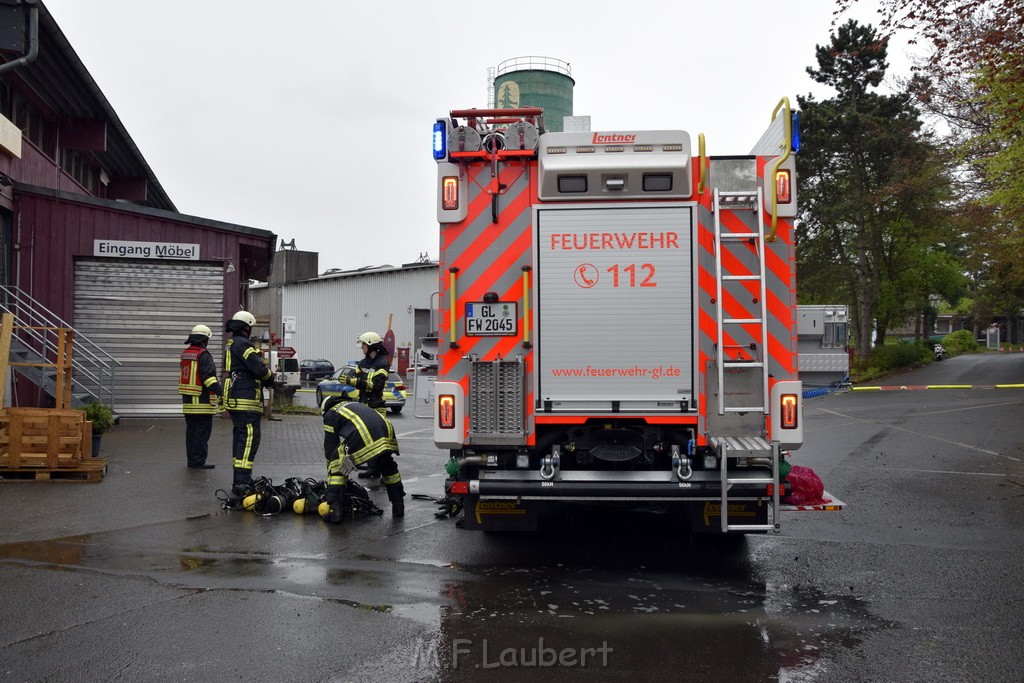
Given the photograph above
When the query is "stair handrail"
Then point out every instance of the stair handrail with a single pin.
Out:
(29, 313)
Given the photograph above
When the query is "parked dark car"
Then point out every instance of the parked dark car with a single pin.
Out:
(311, 370)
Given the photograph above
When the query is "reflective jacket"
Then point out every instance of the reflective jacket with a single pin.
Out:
(371, 380)
(246, 375)
(358, 430)
(197, 381)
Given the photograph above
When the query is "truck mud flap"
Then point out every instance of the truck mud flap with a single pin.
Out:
(834, 505)
(500, 515)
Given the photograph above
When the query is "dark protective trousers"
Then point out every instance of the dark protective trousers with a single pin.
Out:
(245, 441)
(197, 438)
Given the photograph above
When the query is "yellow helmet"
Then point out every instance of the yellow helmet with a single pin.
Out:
(202, 330)
(369, 338)
(245, 317)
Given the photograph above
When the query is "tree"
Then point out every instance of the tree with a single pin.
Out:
(973, 80)
(872, 190)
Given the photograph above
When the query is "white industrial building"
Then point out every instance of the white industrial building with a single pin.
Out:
(321, 316)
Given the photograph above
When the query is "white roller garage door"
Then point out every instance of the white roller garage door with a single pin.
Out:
(140, 312)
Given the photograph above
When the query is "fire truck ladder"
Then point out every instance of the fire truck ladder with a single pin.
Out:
(743, 446)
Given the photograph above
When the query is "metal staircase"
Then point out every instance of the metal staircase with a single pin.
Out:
(36, 341)
(747, 445)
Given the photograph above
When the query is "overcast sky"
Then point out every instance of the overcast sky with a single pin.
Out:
(313, 119)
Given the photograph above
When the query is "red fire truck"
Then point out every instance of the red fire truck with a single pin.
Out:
(617, 320)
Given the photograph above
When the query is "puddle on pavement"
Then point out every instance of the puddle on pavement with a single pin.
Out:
(704, 628)
(707, 615)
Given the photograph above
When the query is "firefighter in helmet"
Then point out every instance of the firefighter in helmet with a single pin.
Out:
(244, 397)
(372, 372)
(199, 389)
(355, 434)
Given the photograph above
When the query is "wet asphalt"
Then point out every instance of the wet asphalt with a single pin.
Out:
(143, 576)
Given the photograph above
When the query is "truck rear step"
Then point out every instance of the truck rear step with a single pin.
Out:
(747, 447)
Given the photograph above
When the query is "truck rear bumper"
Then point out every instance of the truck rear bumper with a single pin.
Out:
(611, 486)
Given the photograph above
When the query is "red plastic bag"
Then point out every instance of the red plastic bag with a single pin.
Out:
(807, 487)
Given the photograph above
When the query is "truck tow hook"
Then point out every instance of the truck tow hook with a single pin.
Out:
(550, 464)
(679, 464)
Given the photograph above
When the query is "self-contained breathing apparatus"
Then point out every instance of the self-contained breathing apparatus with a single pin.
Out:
(304, 496)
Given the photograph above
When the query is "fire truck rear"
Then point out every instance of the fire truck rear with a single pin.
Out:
(617, 320)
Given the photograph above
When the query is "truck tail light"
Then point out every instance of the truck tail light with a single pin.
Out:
(459, 487)
(449, 193)
(783, 186)
(446, 411)
(788, 404)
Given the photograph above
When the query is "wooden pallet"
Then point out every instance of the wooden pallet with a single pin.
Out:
(91, 471)
(44, 437)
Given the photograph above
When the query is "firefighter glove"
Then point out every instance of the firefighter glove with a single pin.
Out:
(347, 465)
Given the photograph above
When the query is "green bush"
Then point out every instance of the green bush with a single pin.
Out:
(888, 358)
(961, 341)
(101, 416)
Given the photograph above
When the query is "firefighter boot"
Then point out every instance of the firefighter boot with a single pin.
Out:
(333, 507)
(241, 484)
(396, 494)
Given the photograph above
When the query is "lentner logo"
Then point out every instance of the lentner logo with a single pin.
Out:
(735, 510)
(497, 507)
(608, 138)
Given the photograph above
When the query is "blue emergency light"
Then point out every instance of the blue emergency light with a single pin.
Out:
(795, 131)
(440, 144)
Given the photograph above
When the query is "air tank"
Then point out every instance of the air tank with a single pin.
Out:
(536, 82)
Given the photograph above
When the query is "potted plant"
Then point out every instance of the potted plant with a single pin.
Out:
(102, 419)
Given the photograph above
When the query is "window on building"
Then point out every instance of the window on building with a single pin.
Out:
(34, 126)
(76, 166)
(5, 100)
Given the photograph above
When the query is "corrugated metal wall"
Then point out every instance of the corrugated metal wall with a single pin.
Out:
(141, 312)
(331, 312)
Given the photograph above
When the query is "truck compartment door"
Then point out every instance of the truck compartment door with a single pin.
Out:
(615, 309)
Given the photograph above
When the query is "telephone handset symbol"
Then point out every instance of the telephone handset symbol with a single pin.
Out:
(586, 275)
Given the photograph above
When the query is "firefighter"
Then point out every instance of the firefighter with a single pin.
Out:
(371, 375)
(354, 434)
(244, 397)
(372, 372)
(199, 389)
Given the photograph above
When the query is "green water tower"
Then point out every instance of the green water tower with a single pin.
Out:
(536, 82)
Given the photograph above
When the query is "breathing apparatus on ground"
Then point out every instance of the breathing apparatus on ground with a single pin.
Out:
(301, 496)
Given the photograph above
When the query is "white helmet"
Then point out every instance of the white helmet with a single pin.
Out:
(331, 401)
(202, 330)
(369, 338)
(245, 317)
